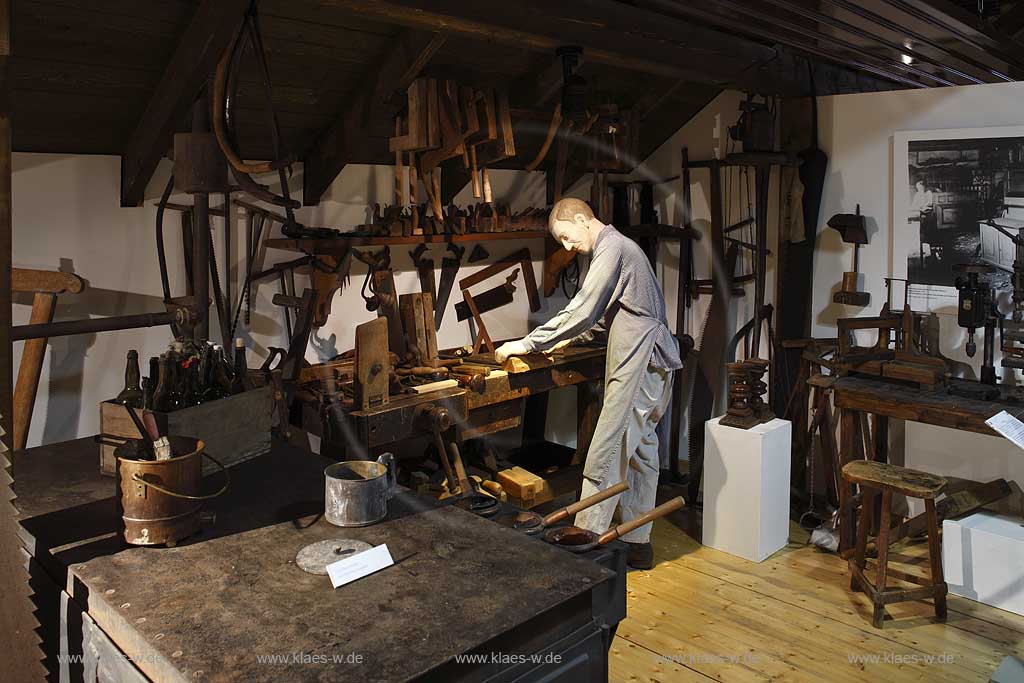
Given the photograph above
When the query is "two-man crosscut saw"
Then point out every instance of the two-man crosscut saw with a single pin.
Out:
(703, 370)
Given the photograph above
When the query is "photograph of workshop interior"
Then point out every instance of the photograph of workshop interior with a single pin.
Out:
(430, 340)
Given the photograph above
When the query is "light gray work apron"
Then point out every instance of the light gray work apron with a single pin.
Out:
(631, 340)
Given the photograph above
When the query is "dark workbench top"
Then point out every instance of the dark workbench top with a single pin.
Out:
(907, 402)
(206, 610)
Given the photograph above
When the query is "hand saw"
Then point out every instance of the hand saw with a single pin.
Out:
(449, 269)
(489, 300)
(425, 270)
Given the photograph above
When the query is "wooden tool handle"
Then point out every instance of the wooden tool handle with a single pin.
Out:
(584, 503)
(488, 198)
(654, 514)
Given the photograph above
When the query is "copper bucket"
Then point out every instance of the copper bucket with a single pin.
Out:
(159, 499)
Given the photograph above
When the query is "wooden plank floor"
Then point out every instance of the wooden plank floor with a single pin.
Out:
(702, 615)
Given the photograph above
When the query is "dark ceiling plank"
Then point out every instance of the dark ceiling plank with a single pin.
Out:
(961, 24)
(1011, 22)
(543, 26)
(371, 98)
(205, 39)
(640, 39)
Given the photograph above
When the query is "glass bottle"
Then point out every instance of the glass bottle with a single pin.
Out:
(162, 401)
(131, 395)
(241, 379)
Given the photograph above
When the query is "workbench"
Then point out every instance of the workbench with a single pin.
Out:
(501, 406)
(208, 608)
(859, 397)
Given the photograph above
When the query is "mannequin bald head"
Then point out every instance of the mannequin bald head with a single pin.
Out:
(573, 225)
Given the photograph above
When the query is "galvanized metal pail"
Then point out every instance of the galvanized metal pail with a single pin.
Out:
(358, 491)
(159, 499)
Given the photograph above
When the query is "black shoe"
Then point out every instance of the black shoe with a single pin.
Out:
(640, 555)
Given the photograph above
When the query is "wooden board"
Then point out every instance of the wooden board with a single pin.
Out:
(417, 311)
(372, 364)
(384, 285)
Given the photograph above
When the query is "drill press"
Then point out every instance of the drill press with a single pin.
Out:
(977, 308)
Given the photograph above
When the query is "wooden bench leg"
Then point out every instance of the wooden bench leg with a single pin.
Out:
(859, 558)
(882, 547)
(935, 556)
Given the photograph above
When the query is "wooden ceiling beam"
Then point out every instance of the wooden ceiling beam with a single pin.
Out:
(544, 26)
(192, 64)
(964, 26)
(373, 98)
(1011, 22)
(641, 40)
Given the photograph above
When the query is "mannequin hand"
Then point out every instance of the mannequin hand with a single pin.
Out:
(512, 348)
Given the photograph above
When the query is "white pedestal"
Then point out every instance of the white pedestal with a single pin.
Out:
(746, 488)
(982, 557)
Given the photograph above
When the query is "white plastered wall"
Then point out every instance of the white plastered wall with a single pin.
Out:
(856, 133)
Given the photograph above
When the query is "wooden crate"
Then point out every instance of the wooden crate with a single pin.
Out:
(234, 429)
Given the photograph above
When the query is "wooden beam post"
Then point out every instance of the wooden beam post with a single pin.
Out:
(373, 97)
(6, 243)
(192, 64)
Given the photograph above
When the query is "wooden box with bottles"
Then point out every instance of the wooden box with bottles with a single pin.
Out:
(234, 429)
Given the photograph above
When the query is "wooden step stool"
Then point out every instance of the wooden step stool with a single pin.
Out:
(875, 478)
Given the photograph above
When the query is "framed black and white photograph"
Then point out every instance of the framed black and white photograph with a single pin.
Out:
(955, 192)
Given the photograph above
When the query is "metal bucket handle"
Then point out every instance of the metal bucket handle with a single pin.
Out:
(388, 460)
(175, 494)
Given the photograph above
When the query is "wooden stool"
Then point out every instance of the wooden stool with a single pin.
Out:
(875, 478)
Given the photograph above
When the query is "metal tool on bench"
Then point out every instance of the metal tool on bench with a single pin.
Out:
(425, 270)
(449, 269)
(358, 491)
(315, 557)
(479, 504)
(577, 540)
(532, 523)
(976, 308)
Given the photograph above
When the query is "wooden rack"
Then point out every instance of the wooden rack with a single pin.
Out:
(333, 244)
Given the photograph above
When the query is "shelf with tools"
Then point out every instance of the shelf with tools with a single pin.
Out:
(333, 244)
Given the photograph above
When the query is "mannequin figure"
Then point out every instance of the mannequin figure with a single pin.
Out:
(620, 299)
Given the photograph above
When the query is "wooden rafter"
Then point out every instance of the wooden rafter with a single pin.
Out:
(373, 98)
(192, 64)
(613, 34)
(1011, 22)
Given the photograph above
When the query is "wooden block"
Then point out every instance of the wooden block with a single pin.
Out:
(532, 361)
(417, 311)
(524, 488)
(435, 386)
(372, 363)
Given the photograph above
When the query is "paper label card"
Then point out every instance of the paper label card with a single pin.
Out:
(1008, 426)
(359, 565)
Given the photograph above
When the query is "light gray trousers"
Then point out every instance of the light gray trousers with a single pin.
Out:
(635, 460)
